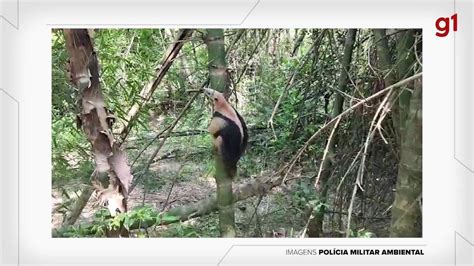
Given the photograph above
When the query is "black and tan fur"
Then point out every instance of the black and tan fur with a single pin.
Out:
(229, 131)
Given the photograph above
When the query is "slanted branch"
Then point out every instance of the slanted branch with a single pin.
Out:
(148, 90)
(197, 209)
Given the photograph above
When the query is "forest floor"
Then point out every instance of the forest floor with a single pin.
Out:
(176, 181)
(271, 220)
(191, 190)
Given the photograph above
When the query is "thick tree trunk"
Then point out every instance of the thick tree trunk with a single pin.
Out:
(133, 113)
(219, 80)
(315, 226)
(406, 209)
(96, 121)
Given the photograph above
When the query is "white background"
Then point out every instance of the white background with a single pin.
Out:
(26, 76)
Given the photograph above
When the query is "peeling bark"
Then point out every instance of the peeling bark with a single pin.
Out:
(96, 121)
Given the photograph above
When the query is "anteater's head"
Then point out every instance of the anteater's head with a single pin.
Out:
(217, 99)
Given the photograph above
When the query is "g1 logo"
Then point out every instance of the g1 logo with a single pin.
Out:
(443, 25)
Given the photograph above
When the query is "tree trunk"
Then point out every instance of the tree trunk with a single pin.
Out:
(78, 206)
(96, 121)
(384, 56)
(406, 59)
(298, 42)
(406, 210)
(315, 226)
(388, 76)
(219, 80)
(133, 113)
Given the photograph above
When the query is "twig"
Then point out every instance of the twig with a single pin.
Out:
(326, 150)
(351, 205)
(171, 127)
(368, 139)
(416, 52)
(360, 216)
(150, 87)
(289, 83)
(237, 38)
(148, 144)
(349, 169)
(384, 107)
(368, 61)
(260, 197)
(311, 216)
(175, 179)
(252, 53)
